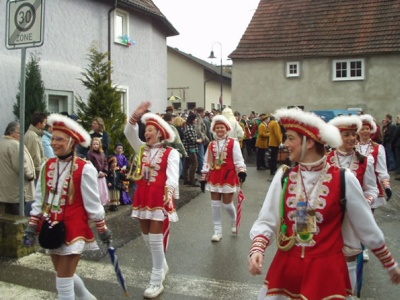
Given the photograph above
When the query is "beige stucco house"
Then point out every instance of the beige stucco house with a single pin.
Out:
(321, 55)
(192, 82)
(71, 26)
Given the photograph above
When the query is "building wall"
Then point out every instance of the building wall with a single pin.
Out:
(185, 79)
(261, 85)
(203, 87)
(213, 92)
(70, 28)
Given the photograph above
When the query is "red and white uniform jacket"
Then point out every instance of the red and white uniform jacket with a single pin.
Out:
(222, 162)
(85, 205)
(307, 260)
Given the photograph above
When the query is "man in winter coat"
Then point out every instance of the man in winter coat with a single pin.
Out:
(262, 142)
(33, 140)
(274, 141)
(9, 175)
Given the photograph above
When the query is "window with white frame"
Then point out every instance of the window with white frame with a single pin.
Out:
(293, 69)
(59, 101)
(121, 26)
(348, 69)
(124, 98)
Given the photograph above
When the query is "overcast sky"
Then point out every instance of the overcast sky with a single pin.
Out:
(202, 23)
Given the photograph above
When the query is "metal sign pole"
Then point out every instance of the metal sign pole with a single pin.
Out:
(24, 29)
(22, 134)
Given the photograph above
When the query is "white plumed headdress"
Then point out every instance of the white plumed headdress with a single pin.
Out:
(369, 120)
(167, 133)
(70, 127)
(310, 125)
(344, 123)
(220, 119)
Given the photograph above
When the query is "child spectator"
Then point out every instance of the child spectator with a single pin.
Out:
(98, 158)
(123, 164)
(114, 183)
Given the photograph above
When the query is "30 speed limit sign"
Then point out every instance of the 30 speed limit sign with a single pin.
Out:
(25, 23)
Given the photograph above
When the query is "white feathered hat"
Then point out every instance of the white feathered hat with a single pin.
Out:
(369, 120)
(167, 133)
(310, 125)
(343, 123)
(220, 119)
(70, 127)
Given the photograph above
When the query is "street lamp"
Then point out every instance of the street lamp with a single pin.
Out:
(213, 56)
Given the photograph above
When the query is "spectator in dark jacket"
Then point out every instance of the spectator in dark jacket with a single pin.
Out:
(396, 146)
(191, 142)
(387, 143)
(98, 130)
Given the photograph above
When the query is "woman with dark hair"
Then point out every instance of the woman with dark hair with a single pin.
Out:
(303, 211)
(68, 193)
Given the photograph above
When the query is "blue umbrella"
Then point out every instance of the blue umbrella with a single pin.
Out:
(117, 269)
(360, 271)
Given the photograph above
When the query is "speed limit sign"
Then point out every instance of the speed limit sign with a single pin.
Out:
(25, 23)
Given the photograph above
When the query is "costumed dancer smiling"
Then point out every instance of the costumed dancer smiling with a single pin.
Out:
(157, 178)
(367, 147)
(346, 156)
(223, 173)
(304, 214)
(67, 191)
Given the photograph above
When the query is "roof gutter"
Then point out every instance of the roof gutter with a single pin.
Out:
(109, 39)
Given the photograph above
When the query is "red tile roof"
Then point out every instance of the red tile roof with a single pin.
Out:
(149, 8)
(321, 28)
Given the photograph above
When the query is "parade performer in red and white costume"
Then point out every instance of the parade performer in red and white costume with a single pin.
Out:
(367, 147)
(223, 173)
(304, 214)
(346, 156)
(157, 178)
(67, 191)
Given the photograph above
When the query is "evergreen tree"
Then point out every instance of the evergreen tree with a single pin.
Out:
(104, 99)
(34, 92)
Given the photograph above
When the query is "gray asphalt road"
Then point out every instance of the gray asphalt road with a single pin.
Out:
(199, 269)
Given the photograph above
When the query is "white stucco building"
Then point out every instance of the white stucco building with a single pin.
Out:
(71, 26)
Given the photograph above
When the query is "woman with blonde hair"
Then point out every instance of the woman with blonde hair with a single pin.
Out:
(179, 124)
(236, 131)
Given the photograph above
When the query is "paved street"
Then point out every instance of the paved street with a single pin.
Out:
(199, 269)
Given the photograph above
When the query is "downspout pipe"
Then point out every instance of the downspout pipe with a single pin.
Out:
(109, 39)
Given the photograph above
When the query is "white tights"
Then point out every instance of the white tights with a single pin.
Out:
(352, 266)
(157, 256)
